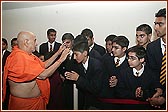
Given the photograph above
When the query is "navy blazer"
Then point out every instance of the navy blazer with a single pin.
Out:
(6, 54)
(110, 67)
(154, 55)
(99, 48)
(111, 70)
(128, 83)
(44, 49)
(95, 54)
(154, 60)
(89, 84)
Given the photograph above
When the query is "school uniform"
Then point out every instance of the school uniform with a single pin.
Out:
(89, 83)
(154, 55)
(129, 82)
(108, 92)
(44, 48)
(68, 85)
(5, 53)
(155, 52)
(99, 48)
(95, 54)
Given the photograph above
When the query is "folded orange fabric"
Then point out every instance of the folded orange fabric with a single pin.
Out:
(16, 103)
(22, 67)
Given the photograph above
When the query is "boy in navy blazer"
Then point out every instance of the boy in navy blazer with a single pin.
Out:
(155, 52)
(137, 83)
(113, 65)
(87, 76)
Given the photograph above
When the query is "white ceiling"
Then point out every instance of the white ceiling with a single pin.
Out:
(17, 5)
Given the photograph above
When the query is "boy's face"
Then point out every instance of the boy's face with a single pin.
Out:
(117, 50)
(14, 43)
(160, 26)
(109, 46)
(68, 43)
(133, 60)
(80, 57)
(90, 41)
(142, 38)
(4, 46)
(52, 37)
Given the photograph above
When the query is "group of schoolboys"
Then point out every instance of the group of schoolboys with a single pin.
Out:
(113, 78)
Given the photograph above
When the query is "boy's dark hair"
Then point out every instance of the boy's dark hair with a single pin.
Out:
(139, 51)
(161, 13)
(50, 30)
(145, 28)
(5, 41)
(80, 44)
(67, 36)
(14, 39)
(87, 33)
(122, 41)
(110, 38)
(79, 39)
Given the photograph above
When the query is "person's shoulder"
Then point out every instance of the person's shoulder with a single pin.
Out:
(106, 56)
(127, 70)
(94, 61)
(57, 44)
(19, 54)
(99, 46)
(44, 44)
(153, 43)
(8, 52)
(148, 70)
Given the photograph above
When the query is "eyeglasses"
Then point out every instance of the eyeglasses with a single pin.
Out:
(132, 58)
(159, 23)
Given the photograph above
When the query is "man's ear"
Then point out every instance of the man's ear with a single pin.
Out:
(93, 39)
(142, 60)
(85, 53)
(26, 42)
(124, 49)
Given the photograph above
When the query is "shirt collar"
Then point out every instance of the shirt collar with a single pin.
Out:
(139, 71)
(162, 45)
(91, 47)
(3, 52)
(51, 44)
(85, 65)
(121, 59)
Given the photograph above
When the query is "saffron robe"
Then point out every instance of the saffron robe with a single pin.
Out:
(23, 67)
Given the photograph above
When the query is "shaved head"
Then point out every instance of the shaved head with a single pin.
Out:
(24, 35)
(26, 40)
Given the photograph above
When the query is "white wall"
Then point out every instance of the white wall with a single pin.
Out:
(104, 18)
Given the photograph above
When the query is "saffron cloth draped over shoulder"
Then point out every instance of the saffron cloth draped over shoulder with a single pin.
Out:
(23, 67)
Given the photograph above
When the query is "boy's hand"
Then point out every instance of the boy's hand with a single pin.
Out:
(139, 92)
(71, 75)
(113, 81)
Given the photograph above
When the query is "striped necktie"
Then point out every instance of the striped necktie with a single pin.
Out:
(163, 69)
